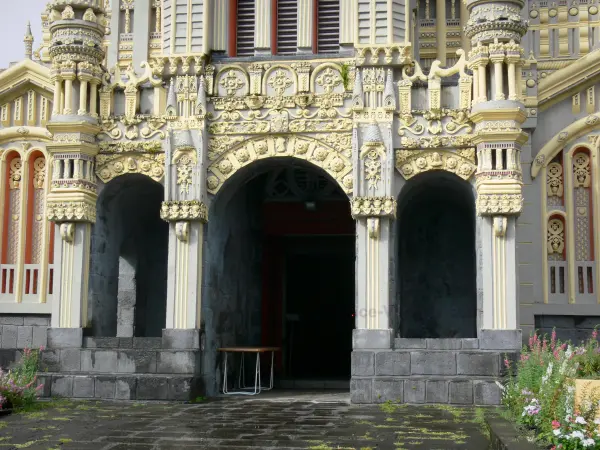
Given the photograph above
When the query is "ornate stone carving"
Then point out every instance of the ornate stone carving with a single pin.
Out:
(556, 237)
(410, 163)
(70, 211)
(554, 180)
(581, 170)
(113, 165)
(173, 211)
(333, 160)
(373, 206)
(492, 204)
(39, 172)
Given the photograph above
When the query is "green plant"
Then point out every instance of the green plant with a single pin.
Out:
(17, 386)
(345, 74)
(587, 357)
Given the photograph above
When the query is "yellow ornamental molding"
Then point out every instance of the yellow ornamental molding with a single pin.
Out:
(19, 133)
(413, 162)
(491, 204)
(563, 83)
(173, 211)
(374, 206)
(562, 139)
(334, 160)
(70, 211)
(111, 166)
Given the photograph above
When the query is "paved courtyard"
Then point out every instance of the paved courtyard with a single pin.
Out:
(272, 421)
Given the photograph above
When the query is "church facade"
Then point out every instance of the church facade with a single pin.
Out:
(395, 193)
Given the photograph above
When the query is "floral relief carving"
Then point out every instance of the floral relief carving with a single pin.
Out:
(554, 180)
(556, 237)
(232, 157)
(39, 172)
(15, 173)
(373, 206)
(491, 204)
(112, 165)
(581, 170)
(70, 211)
(279, 80)
(410, 162)
(184, 210)
(329, 79)
(231, 82)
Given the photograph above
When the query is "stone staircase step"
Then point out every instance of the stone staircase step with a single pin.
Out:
(146, 343)
(121, 360)
(115, 386)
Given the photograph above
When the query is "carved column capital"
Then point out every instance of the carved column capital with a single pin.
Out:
(184, 210)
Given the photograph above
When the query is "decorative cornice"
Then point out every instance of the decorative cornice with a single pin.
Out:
(24, 133)
(26, 70)
(413, 162)
(577, 76)
(184, 210)
(493, 204)
(374, 207)
(70, 211)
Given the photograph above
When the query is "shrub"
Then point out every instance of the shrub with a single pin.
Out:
(539, 393)
(18, 387)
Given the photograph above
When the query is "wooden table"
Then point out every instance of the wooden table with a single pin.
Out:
(243, 389)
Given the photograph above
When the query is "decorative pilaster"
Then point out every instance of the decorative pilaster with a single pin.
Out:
(306, 16)
(184, 209)
(71, 204)
(499, 137)
(262, 27)
(373, 205)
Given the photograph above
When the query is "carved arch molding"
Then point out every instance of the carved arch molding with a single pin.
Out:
(333, 156)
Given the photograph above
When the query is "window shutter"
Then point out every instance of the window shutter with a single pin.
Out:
(287, 27)
(245, 28)
(328, 28)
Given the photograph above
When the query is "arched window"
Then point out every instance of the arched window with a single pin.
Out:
(11, 223)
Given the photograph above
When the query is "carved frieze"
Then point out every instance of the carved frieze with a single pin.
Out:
(492, 204)
(373, 206)
(193, 210)
(461, 162)
(112, 165)
(70, 211)
(333, 160)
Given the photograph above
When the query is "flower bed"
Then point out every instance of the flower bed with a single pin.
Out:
(18, 387)
(549, 396)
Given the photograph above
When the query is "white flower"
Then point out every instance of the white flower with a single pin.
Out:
(580, 420)
(588, 442)
(556, 432)
(578, 434)
(597, 421)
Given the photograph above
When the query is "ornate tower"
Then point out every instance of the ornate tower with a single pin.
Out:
(28, 41)
(77, 28)
(495, 29)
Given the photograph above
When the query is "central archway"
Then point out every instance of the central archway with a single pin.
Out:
(279, 270)
(436, 257)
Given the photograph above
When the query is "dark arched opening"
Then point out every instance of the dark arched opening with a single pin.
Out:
(279, 270)
(436, 258)
(128, 281)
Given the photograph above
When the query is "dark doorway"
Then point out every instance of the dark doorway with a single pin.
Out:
(280, 269)
(319, 306)
(128, 281)
(436, 258)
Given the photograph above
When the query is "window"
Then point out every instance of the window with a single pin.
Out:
(328, 26)
(241, 38)
(287, 27)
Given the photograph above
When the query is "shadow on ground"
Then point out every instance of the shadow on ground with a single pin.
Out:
(318, 422)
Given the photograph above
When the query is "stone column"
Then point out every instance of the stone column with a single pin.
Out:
(440, 29)
(186, 212)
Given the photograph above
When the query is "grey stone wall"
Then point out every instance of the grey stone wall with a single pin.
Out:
(231, 307)
(23, 331)
(571, 328)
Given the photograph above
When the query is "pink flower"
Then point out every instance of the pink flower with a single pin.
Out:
(506, 363)
(524, 358)
(555, 424)
(595, 334)
(42, 348)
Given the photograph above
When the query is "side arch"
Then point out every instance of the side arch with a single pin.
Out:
(336, 162)
(562, 139)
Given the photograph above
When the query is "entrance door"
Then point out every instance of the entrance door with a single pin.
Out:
(319, 307)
